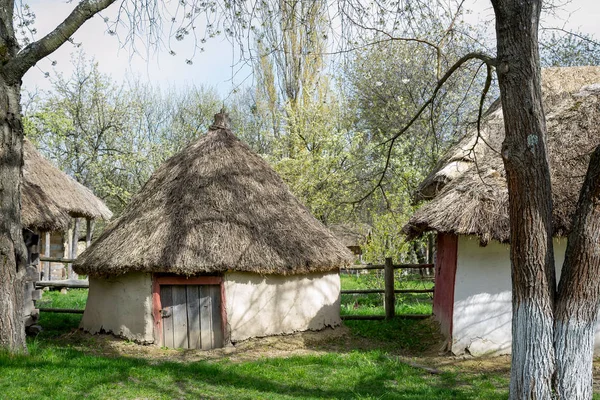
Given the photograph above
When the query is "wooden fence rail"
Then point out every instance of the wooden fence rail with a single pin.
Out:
(389, 291)
(61, 310)
(57, 259)
(65, 283)
(382, 266)
(382, 317)
(369, 291)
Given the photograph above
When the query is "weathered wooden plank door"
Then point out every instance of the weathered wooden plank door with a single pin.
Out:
(191, 316)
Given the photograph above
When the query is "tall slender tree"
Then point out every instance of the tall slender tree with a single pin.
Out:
(553, 332)
(524, 152)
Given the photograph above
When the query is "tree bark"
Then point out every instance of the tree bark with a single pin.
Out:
(14, 63)
(579, 293)
(530, 198)
(12, 248)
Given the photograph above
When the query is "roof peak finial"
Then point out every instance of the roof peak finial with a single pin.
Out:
(221, 121)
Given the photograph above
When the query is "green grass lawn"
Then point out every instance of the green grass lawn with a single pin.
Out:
(371, 361)
(58, 372)
(372, 304)
(65, 364)
(57, 324)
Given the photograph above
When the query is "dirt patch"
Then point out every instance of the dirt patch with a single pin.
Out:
(338, 340)
(301, 343)
(491, 364)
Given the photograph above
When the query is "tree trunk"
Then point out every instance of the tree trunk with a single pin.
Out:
(579, 293)
(14, 63)
(530, 199)
(12, 247)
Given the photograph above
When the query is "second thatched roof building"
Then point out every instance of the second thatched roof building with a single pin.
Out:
(214, 248)
(468, 208)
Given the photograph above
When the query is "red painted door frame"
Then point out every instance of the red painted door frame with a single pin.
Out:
(445, 279)
(158, 280)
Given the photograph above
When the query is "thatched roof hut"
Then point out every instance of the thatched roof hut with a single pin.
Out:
(468, 187)
(39, 212)
(213, 207)
(49, 197)
(469, 208)
(353, 236)
(214, 214)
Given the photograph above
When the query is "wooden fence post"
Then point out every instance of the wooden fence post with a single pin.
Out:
(88, 232)
(73, 250)
(48, 266)
(390, 298)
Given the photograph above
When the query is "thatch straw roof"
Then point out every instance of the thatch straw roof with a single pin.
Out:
(213, 207)
(49, 197)
(39, 212)
(351, 235)
(468, 187)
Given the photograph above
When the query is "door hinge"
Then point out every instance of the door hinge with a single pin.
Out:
(166, 312)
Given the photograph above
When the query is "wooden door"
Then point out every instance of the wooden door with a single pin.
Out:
(191, 316)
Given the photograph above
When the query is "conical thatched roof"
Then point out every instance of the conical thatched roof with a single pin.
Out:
(473, 200)
(213, 207)
(49, 197)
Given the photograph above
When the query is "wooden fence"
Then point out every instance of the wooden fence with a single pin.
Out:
(389, 291)
(47, 268)
(59, 284)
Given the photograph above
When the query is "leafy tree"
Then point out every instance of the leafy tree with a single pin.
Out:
(320, 170)
(110, 137)
(80, 125)
(15, 62)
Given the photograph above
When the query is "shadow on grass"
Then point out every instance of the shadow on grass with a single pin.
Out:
(407, 336)
(358, 366)
(67, 373)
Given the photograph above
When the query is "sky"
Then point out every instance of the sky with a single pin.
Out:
(213, 67)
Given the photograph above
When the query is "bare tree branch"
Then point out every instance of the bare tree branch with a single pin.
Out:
(31, 54)
(574, 34)
(489, 61)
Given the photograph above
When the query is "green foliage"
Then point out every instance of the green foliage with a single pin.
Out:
(75, 298)
(110, 137)
(80, 125)
(319, 173)
(57, 324)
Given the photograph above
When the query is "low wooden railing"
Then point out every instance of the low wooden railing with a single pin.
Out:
(57, 259)
(389, 291)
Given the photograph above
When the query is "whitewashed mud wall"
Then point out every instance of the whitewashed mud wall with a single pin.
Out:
(482, 298)
(122, 306)
(271, 305)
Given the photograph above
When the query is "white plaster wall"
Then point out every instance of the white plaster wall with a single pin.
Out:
(270, 305)
(121, 305)
(482, 297)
